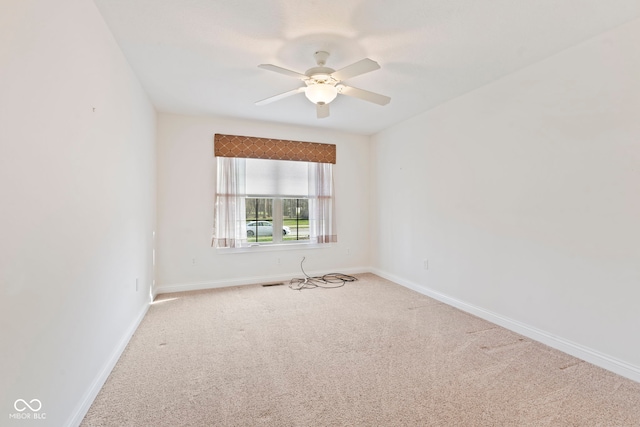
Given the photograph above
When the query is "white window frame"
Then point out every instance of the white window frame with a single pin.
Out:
(277, 222)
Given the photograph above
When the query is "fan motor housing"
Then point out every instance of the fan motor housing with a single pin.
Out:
(320, 74)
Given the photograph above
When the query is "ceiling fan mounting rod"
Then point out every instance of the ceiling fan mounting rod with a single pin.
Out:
(321, 57)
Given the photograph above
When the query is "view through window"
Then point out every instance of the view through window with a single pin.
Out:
(274, 220)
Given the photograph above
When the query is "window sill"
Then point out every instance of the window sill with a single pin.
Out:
(272, 247)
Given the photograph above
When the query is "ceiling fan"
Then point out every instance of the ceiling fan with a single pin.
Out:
(323, 84)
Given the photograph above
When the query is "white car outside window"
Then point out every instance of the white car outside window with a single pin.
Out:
(263, 228)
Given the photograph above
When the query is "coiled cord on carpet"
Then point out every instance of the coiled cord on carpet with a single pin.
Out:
(328, 281)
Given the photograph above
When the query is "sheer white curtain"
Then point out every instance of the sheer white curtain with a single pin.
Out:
(322, 217)
(229, 214)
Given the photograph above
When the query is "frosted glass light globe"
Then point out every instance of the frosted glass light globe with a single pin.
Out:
(321, 93)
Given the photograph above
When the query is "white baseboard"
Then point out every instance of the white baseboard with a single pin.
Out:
(224, 283)
(89, 396)
(577, 350)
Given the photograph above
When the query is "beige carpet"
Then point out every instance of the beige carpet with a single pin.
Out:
(371, 353)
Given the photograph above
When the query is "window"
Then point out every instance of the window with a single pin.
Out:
(264, 201)
(272, 187)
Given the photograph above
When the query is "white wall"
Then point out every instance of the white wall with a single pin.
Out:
(186, 187)
(524, 196)
(77, 189)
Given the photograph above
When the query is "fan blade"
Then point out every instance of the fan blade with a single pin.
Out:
(280, 96)
(322, 110)
(284, 71)
(355, 69)
(365, 95)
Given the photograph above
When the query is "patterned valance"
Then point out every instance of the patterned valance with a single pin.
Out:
(275, 149)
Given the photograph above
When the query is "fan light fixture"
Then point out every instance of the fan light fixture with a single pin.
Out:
(321, 93)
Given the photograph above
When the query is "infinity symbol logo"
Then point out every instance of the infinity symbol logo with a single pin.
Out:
(24, 405)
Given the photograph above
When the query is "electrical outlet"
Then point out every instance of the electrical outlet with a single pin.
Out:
(278, 261)
(137, 287)
(193, 261)
(425, 264)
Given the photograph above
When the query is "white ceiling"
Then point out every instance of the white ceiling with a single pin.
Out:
(200, 57)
